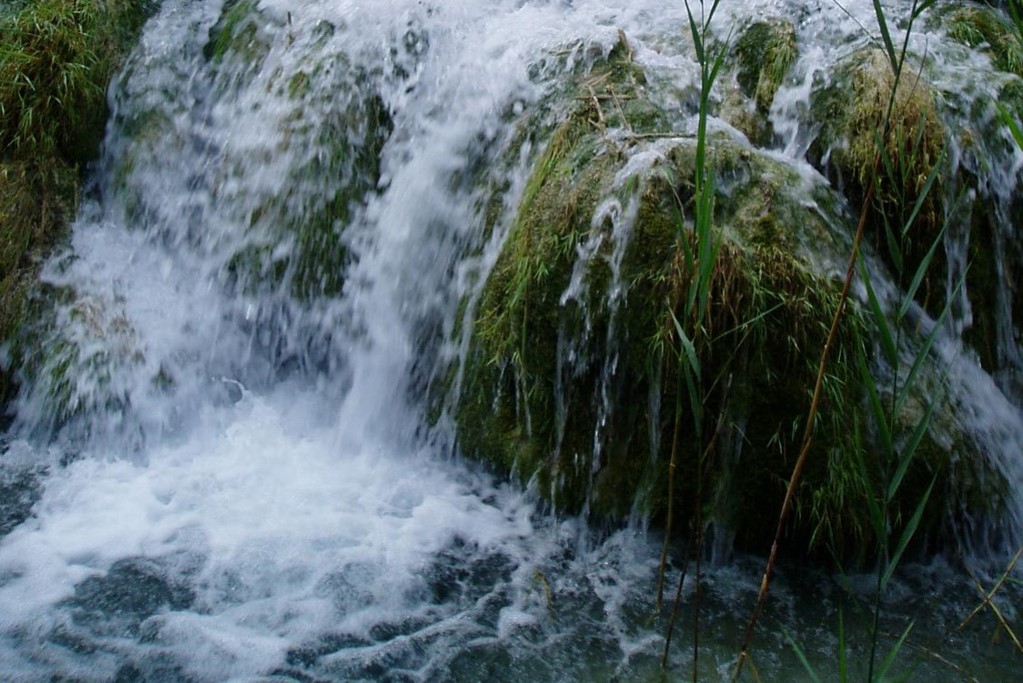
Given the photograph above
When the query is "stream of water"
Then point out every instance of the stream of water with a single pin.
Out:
(244, 485)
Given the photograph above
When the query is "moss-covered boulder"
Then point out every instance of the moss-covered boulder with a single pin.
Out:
(329, 139)
(572, 379)
(760, 58)
(311, 127)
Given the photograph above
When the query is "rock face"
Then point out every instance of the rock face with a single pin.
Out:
(572, 377)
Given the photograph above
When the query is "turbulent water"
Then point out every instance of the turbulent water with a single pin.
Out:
(243, 484)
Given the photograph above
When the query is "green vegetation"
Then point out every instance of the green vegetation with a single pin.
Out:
(239, 31)
(761, 57)
(982, 27)
(764, 52)
(56, 58)
(865, 101)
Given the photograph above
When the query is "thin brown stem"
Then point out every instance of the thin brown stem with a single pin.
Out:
(804, 450)
(991, 593)
(674, 614)
(1000, 617)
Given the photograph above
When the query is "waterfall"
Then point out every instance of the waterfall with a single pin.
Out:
(228, 459)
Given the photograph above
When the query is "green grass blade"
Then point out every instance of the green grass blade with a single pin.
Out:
(691, 370)
(921, 271)
(880, 414)
(893, 653)
(907, 534)
(708, 249)
(925, 348)
(886, 36)
(719, 60)
(1010, 121)
(909, 451)
(885, 159)
(694, 30)
(923, 7)
(884, 331)
(802, 657)
(894, 250)
(925, 190)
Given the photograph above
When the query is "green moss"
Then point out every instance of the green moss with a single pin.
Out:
(298, 85)
(760, 58)
(983, 27)
(763, 54)
(239, 31)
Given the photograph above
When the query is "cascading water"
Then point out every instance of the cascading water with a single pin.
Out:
(281, 236)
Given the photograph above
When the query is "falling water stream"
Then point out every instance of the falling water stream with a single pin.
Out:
(239, 481)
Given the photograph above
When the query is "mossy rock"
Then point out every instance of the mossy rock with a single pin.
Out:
(334, 137)
(328, 126)
(558, 389)
(983, 27)
(241, 32)
(572, 372)
(572, 339)
(37, 203)
(760, 58)
(851, 112)
(77, 362)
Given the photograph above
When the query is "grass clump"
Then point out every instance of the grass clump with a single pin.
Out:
(984, 28)
(854, 112)
(56, 58)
